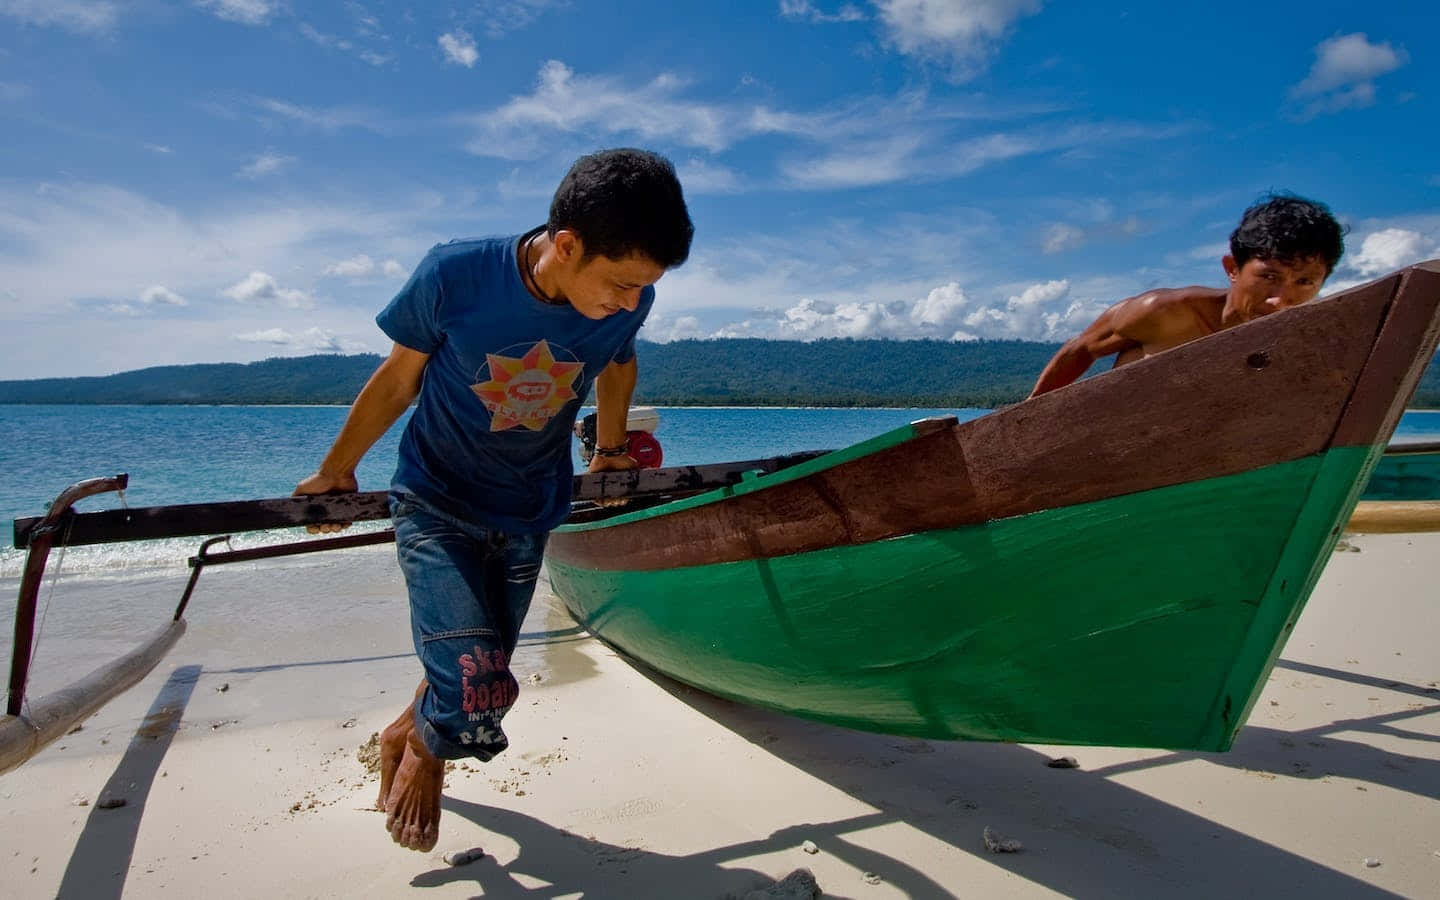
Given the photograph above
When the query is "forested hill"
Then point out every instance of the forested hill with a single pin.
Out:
(684, 373)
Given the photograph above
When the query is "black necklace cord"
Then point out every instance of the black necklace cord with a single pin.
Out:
(529, 271)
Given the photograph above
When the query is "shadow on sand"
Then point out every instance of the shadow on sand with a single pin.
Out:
(100, 862)
(1134, 845)
(554, 862)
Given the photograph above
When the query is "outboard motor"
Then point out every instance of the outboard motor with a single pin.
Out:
(639, 430)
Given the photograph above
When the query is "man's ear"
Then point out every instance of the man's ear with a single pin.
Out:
(568, 246)
(1231, 269)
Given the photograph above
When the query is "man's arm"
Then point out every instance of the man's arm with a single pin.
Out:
(384, 398)
(613, 388)
(1102, 338)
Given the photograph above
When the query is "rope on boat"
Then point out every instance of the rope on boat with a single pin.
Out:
(49, 597)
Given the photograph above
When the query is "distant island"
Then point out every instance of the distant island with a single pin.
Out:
(720, 372)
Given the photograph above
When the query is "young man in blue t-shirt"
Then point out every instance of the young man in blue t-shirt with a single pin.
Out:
(498, 341)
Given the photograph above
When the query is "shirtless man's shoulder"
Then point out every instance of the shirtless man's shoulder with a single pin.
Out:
(1168, 317)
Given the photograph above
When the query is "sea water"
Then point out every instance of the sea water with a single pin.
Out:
(98, 601)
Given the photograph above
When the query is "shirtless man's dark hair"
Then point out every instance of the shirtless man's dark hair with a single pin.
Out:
(1288, 228)
(1280, 255)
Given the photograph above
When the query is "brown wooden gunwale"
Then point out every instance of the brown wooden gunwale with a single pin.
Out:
(1289, 381)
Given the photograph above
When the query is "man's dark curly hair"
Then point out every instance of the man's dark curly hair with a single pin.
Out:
(1287, 228)
(624, 201)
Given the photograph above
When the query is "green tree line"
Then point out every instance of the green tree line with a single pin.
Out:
(725, 372)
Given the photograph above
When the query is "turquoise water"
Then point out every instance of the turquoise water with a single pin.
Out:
(194, 454)
(99, 601)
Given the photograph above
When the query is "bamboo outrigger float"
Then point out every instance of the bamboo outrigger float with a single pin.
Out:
(1116, 562)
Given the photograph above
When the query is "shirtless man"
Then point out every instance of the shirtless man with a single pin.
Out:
(1280, 255)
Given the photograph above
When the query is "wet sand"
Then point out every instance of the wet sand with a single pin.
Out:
(237, 761)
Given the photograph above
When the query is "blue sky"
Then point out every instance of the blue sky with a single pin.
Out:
(225, 180)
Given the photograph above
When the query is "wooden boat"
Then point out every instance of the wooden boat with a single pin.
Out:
(1117, 562)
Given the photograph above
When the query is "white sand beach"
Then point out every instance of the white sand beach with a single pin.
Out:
(237, 761)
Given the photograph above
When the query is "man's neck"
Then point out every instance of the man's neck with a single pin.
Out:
(537, 265)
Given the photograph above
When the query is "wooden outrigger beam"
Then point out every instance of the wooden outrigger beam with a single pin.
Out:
(27, 728)
(197, 519)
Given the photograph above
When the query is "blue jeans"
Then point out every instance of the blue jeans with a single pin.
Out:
(470, 588)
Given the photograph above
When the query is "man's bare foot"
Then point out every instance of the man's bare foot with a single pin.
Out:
(412, 808)
(392, 746)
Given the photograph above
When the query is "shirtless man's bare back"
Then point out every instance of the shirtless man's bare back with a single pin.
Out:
(1280, 256)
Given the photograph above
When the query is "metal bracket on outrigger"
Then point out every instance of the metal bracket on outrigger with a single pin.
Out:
(203, 557)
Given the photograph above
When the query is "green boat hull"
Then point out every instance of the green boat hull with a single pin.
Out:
(963, 633)
(1116, 562)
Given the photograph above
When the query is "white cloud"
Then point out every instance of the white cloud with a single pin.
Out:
(73, 15)
(459, 48)
(805, 11)
(1389, 249)
(246, 12)
(158, 148)
(68, 247)
(1343, 75)
(259, 287)
(858, 141)
(881, 161)
(698, 176)
(662, 330)
(962, 32)
(159, 294)
(502, 17)
(1040, 312)
(362, 266)
(264, 164)
(941, 308)
(355, 267)
(332, 119)
(311, 340)
(335, 42)
(1061, 237)
(567, 103)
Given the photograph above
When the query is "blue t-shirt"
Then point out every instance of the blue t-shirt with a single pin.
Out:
(489, 441)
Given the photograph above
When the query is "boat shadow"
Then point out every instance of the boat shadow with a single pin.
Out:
(1133, 844)
(1317, 753)
(100, 862)
(575, 865)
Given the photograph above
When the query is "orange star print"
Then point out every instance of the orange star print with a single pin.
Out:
(528, 390)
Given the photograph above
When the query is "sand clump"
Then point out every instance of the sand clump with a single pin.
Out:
(368, 754)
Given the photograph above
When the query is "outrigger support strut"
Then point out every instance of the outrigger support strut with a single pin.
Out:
(203, 557)
(42, 538)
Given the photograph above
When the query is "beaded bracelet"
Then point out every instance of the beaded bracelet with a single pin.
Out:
(622, 450)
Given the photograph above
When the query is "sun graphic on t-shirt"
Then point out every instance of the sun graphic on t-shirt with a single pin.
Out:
(528, 390)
